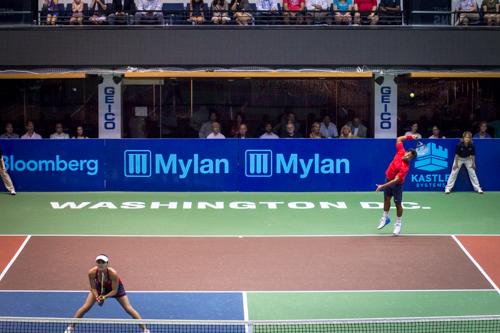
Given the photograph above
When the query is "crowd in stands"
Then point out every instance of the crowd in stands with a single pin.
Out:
(287, 128)
(240, 12)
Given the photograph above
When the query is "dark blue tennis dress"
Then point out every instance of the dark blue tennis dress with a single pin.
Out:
(108, 285)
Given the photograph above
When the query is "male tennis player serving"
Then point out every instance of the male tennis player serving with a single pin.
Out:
(104, 284)
(395, 178)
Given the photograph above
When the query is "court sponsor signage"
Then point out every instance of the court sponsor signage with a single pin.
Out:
(432, 165)
(110, 117)
(386, 102)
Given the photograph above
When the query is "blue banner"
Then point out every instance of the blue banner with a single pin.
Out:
(236, 165)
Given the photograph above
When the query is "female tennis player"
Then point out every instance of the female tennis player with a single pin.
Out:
(104, 284)
(395, 178)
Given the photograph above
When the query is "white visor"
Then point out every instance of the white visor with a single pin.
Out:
(102, 257)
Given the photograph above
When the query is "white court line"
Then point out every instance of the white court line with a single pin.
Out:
(245, 310)
(252, 236)
(11, 262)
(257, 291)
(471, 258)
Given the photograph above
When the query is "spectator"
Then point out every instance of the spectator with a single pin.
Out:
(76, 12)
(317, 11)
(30, 132)
(220, 12)
(414, 131)
(216, 134)
(206, 127)
(52, 11)
(79, 133)
(149, 12)
(196, 12)
(97, 11)
(9, 132)
(482, 134)
(436, 133)
(365, 10)
(293, 11)
(491, 9)
(59, 134)
(464, 154)
(389, 12)
(268, 134)
(282, 127)
(241, 10)
(467, 12)
(123, 8)
(290, 132)
(235, 127)
(7, 182)
(342, 11)
(346, 133)
(357, 128)
(328, 129)
(315, 131)
(267, 11)
(242, 132)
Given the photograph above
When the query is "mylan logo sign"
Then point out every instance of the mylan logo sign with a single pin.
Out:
(433, 159)
(263, 163)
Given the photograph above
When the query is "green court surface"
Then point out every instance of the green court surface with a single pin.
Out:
(267, 214)
(244, 213)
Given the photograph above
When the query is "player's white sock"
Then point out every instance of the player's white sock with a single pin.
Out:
(385, 214)
(398, 219)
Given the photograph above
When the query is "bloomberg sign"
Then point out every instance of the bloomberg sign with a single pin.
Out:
(235, 165)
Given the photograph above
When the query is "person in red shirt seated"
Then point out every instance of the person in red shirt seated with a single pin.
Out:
(395, 178)
(366, 10)
(293, 10)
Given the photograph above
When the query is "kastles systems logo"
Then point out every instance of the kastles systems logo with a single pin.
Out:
(432, 158)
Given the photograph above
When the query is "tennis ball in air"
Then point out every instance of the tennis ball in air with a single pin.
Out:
(412, 95)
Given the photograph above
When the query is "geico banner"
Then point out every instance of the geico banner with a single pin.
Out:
(236, 165)
(386, 104)
(110, 118)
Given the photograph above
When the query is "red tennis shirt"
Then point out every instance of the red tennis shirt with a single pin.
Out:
(398, 166)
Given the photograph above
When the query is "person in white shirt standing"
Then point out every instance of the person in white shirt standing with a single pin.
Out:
(30, 132)
(59, 133)
(317, 11)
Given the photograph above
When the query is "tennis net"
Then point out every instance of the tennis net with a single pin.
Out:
(465, 324)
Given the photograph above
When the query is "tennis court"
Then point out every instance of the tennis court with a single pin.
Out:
(248, 256)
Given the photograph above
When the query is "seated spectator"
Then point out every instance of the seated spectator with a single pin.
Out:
(59, 134)
(317, 11)
(267, 11)
(123, 8)
(242, 132)
(342, 11)
(149, 12)
(76, 12)
(414, 131)
(206, 127)
(389, 12)
(436, 133)
(491, 10)
(241, 12)
(196, 12)
(219, 10)
(345, 133)
(97, 11)
(281, 128)
(30, 132)
(482, 134)
(315, 131)
(366, 11)
(293, 11)
(52, 11)
(467, 12)
(235, 127)
(80, 134)
(290, 132)
(268, 134)
(216, 134)
(357, 128)
(9, 132)
(328, 129)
